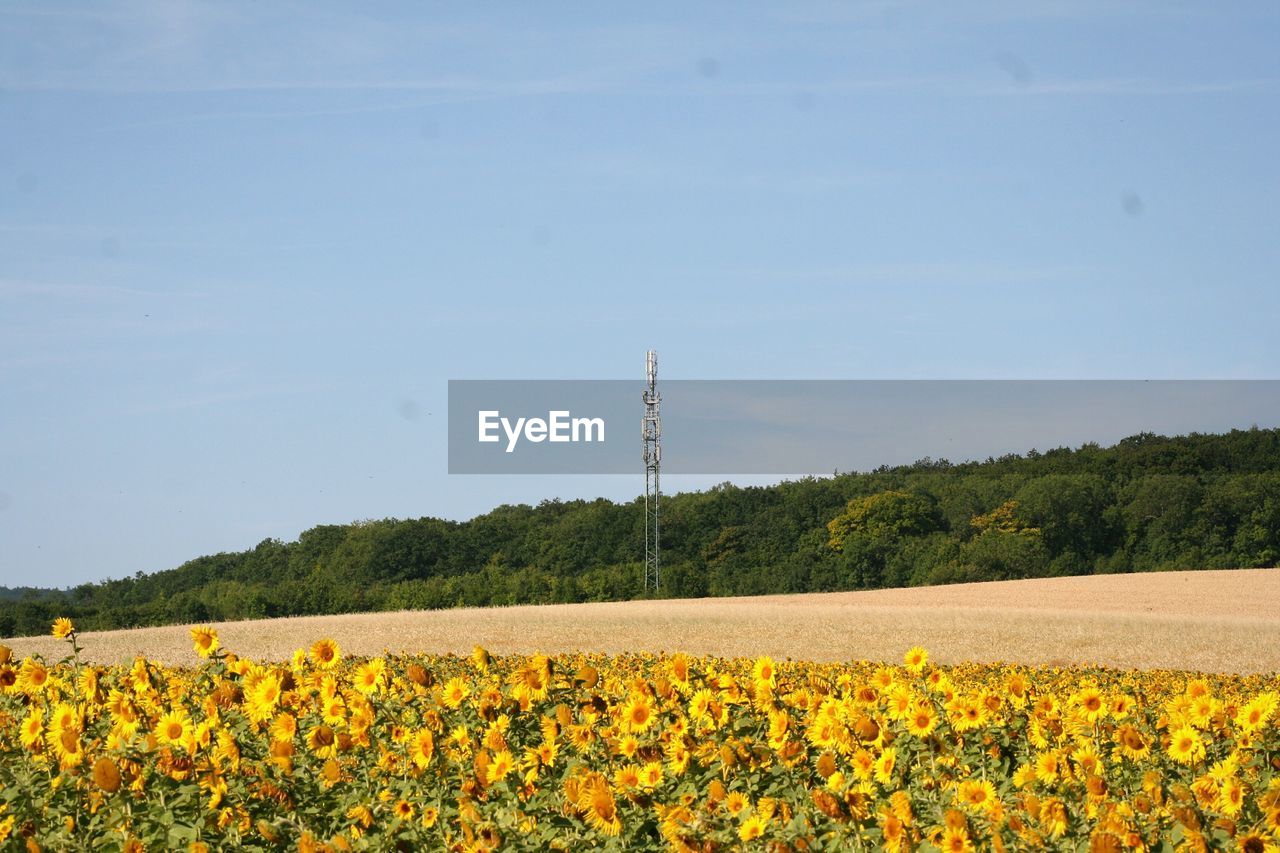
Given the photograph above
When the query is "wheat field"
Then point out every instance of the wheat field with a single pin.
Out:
(1212, 621)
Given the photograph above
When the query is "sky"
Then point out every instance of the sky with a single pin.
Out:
(244, 246)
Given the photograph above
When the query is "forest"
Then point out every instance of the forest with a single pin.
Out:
(1149, 503)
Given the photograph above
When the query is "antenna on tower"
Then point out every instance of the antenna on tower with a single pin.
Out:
(651, 435)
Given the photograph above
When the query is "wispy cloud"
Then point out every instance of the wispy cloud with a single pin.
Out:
(635, 170)
(1133, 87)
(445, 95)
(231, 395)
(150, 236)
(975, 86)
(188, 47)
(911, 272)
(19, 289)
(338, 62)
(890, 13)
(587, 81)
(453, 90)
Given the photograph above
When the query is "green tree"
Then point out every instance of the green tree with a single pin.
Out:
(1073, 513)
(872, 529)
(1160, 513)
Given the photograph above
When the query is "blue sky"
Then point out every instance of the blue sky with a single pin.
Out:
(244, 246)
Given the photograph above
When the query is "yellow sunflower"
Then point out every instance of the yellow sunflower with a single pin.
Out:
(532, 679)
(1053, 817)
(454, 692)
(678, 669)
(637, 713)
(32, 728)
(627, 746)
(922, 720)
(205, 641)
(893, 834)
(1232, 796)
(651, 774)
(500, 764)
(262, 696)
(1253, 716)
(764, 673)
(422, 746)
(597, 803)
(1047, 767)
(736, 802)
(753, 827)
(369, 676)
(700, 705)
(106, 775)
(884, 765)
(323, 742)
(325, 653)
(1131, 742)
(1185, 745)
(977, 795)
(64, 717)
(915, 659)
(66, 746)
(174, 728)
(284, 727)
(955, 839)
(32, 677)
(1090, 702)
(627, 777)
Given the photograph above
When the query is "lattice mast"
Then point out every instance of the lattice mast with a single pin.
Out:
(651, 434)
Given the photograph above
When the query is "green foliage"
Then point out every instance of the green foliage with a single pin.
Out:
(885, 517)
(1005, 555)
(873, 530)
(1074, 514)
(1004, 520)
(1149, 503)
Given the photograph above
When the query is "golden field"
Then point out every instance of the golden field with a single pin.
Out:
(627, 751)
(1214, 621)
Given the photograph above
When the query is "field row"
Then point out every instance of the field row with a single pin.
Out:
(629, 752)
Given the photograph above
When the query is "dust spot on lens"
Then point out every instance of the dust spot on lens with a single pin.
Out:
(110, 247)
(27, 182)
(409, 410)
(1132, 203)
(708, 67)
(1015, 66)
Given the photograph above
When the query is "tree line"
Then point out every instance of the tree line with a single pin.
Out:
(1148, 503)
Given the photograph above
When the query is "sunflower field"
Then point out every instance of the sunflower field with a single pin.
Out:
(629, 752)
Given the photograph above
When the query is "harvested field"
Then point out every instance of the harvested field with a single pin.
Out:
(1218, 621)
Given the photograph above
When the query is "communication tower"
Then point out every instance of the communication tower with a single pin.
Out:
(651, 434)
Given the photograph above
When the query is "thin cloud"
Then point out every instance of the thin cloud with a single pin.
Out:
(949, 86)
(319, 112)
(1134, 87)
(459, 85)
(238, 395)
(444, 91)
(19, 289)
(901, 273)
